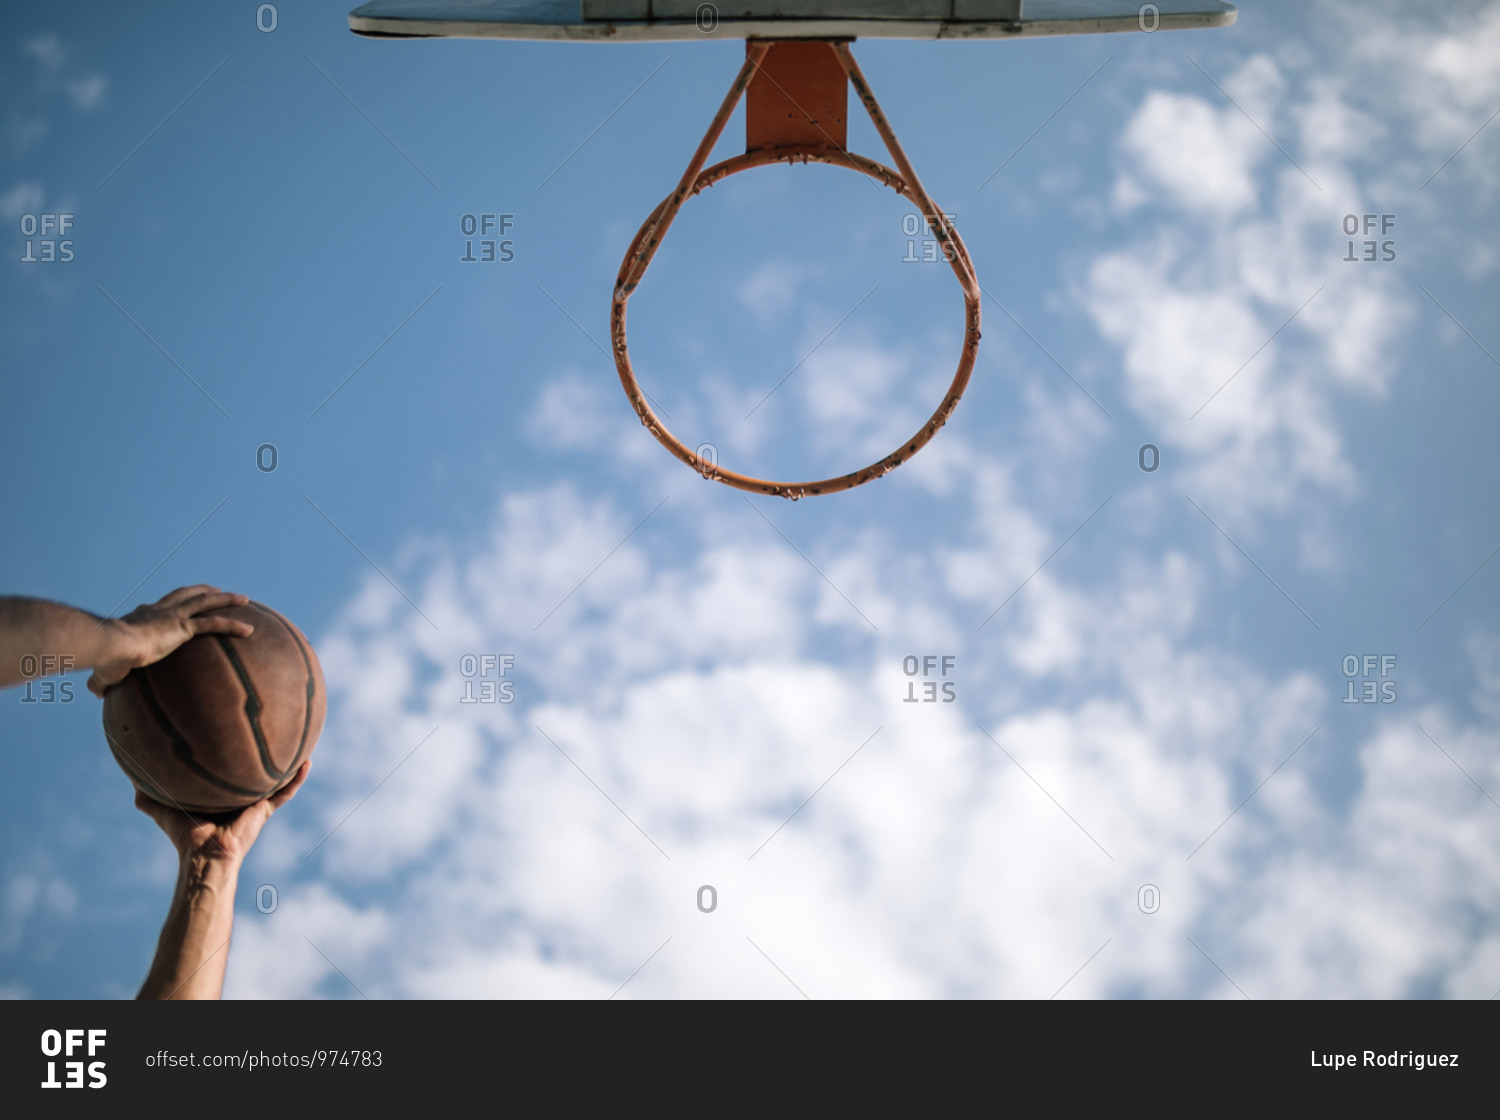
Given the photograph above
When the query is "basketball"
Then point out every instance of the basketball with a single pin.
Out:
(223, 721)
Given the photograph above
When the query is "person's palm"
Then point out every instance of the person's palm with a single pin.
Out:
(222, 836)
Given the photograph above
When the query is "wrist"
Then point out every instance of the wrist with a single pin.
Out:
(203, 873)
(119, 644)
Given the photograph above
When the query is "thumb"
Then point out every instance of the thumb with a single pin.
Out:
(106, 677)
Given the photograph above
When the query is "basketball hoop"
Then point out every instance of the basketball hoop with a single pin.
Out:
(797, 71)
(795, 114)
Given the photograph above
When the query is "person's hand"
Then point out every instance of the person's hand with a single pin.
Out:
(153, 630)
(190, 957)
(223, 836)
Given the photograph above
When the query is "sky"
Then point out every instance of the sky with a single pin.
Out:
(713, 772)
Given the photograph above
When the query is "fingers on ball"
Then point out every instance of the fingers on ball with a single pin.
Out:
(221, 625)
(172, 598)
(289, 791)
(211, 599)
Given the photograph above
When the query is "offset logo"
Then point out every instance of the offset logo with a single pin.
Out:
(1363, 668)
(46, 691)
(494, 690)
(52, 228)
(927, 664)
(933, 248)
(66, 1044)
(493, 245)
(1386, 222)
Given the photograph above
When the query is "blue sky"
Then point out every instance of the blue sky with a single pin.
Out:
(1175, 229)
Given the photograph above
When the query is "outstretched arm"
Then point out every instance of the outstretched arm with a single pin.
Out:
(194, 946)
(39, 638)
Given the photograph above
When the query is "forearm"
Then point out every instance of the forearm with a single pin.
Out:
(39, 638)
(194, 946)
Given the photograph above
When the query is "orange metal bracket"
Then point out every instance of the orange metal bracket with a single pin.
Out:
(796, 112)
(799, 97)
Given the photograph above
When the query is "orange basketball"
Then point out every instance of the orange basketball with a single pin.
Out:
(222, 721)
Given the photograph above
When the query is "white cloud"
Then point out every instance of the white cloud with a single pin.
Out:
(298, 948)
(771, 289)
(927, 862)
(32, 896)
(1203, 158)
(571, 415)
(1436, 68)
(27, 121)
(1463, 54)
(23, 198)
(49, 50)
(1238, 330)
(1397, 908)
(87, 93)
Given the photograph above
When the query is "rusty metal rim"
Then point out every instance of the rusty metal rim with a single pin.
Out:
(649, 237)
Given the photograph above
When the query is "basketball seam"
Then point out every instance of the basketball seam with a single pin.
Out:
(253, 707)
(312, 683)
(183, 749)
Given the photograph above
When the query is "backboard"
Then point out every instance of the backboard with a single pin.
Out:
(662, 20)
